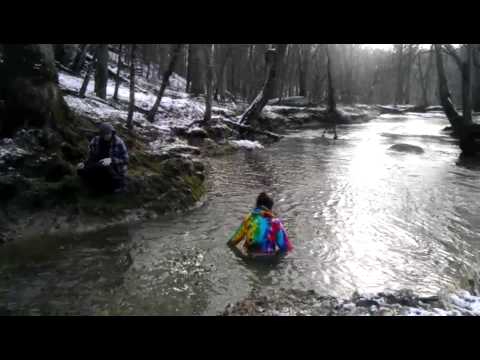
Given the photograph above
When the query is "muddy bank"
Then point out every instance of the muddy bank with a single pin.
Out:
(41, 193)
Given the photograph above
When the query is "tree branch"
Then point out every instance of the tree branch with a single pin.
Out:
(452, 52)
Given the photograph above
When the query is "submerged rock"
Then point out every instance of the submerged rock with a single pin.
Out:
(407, 148)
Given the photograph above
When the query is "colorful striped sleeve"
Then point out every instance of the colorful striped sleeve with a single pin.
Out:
(283, 242)
(241, 232)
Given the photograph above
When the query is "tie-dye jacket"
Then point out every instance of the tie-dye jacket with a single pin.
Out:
(264, 233)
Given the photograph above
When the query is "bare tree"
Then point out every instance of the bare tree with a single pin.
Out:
(222, 72)
(210, 54)
(412, 49)
(101, 71)
(371, 91)
(465, 67)
(476, 78)
(331, 102)
(117, 78)
(176, 49)
(80, 59)
(425, 77)
(29, 89)
(195, 68)
(303, 67)
(272, 59)
(457, 121)
(86, 80)
(131, 104)
(400, 74)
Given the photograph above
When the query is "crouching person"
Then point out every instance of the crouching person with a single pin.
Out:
(106, 167)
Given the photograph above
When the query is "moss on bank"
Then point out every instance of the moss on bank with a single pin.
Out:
(42, 182)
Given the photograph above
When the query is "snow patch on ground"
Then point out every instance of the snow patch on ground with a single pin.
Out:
(174, 111)
(10, 151)
(246, 144)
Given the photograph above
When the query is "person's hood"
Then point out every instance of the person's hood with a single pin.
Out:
(264, 212)
(106, 128)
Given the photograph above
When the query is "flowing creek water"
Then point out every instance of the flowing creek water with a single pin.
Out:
(361, 217)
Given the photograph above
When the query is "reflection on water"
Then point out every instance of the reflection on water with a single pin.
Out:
(361, 217)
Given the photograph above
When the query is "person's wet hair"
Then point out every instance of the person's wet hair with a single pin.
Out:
(265, 201)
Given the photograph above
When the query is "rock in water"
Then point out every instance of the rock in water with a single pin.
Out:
(407, 148)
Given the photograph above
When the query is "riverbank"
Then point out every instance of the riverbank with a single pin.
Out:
(309, 303)
(41, 194)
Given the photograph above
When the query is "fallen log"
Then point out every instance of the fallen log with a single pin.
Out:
(393, 110)
(248, 128)
(241, 127)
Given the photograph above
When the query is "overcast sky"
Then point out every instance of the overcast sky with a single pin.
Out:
(380, 46)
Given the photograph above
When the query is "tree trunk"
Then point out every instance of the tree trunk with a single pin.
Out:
(425, 77)
(189, 68)
(117, 79)
(476, 80)
(222, 74)
(282, 73)
(348, 69)
(165, 80)
(131, 104)
(371, 91)
(445, 97)
(101, 72)
(196, 73)
(66, 54)
(86, 80)
(148, 72)
(210, 53)
(32, 97)
(400, 77)
(232, 86)
(408, 71)
(80, 59)
(467, 85)
(302, 81)
(331, 103)
(476, 77)
(252, 113)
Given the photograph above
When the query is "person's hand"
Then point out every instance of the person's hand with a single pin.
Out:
(80, 166)
(106, 162)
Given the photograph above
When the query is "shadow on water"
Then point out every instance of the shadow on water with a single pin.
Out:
(63, 275)
(469, 162)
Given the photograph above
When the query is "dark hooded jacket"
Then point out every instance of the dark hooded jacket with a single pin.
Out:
(117, 152)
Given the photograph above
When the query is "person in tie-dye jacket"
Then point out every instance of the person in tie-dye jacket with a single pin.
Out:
(264, 233)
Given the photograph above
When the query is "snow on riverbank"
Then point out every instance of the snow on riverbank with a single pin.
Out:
(246, 144)
(177, 108)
